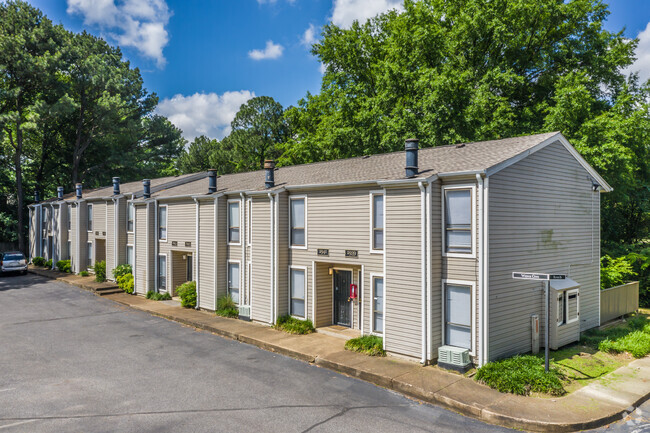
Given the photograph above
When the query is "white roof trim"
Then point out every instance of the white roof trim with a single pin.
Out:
(564, 284)
(556, 137)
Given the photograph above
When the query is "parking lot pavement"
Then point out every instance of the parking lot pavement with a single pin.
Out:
(636, 422)
(72, 361)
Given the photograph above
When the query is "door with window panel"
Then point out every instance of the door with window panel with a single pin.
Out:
(458, 316)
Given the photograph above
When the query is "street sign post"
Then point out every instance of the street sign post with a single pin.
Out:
(547, 297)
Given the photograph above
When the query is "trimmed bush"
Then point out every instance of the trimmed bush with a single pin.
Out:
(38, 261)
(521, 375)
(84, 273)
(369, 344)
(122, 270)
(100, 271)
(158, 296)
(187, 293)
(226, 307)
(64, 266)
(125, 282)
(292, 325)
(48, 264)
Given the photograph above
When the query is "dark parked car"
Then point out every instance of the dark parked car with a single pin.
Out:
(13, 261)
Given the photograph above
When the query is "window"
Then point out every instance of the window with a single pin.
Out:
(377, 222)
(130, 212)
(233, 222)
(378, 305)
(458, 327)
(567, 307)
(90, 255)
(129, 255)
(249, 227)
(162, 223)
(458, 221)
(90, 218)
(233, 281)
(68, 254)
(297, 281)
(298, 238)
(162, 272)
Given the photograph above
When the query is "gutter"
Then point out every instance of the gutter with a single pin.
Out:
(486, 268)
(155, 247)
(244, 267)
(481, 228)
(429, 273)
(423, 268)
(196, 262)
(272, 305)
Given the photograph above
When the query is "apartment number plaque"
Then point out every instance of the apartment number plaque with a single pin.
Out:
(323, 252)
(174, 243)
(188, 244)
(351, 253)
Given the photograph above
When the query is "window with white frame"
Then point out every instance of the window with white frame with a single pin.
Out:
(233, 281)
(130, 213)
(129, 255)
(378, 304)
(297, 282)
(249, 226)
(90, 255)
(458, 221)
(68, 254)
(233, 222)
(568, 307)
(90, 218)
(162, 223)
(377, 222)
(162, 272)
(458, 316)
(298, 234)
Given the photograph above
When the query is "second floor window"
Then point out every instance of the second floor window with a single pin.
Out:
(130, 212)
(162, 223)
(298, 222)
(458, 221)
(90, 218)
(377, 222)
(233, 222)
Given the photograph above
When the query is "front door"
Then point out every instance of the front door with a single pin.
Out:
(342, 281)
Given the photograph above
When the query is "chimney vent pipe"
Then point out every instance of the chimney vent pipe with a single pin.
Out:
(411, 147)
(146, 188)
(269, 168)
(212, 181)
(78, 189)
(59, 192)
(116, 186)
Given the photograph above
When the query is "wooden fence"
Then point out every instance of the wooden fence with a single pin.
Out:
(619, 301)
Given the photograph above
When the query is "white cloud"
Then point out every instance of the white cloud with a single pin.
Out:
(309, 37)
(132, 23)
(642, 63)
(346, 11)
(204, 113)
(271, 51)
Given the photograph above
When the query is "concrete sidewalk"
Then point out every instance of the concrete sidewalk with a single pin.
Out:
(88, 283)
(597, 404)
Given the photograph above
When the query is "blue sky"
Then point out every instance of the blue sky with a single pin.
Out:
(204, 58)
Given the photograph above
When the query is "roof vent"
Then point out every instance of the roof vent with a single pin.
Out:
(116, 186)
(459, 145)
(269, 167)
(212, 181)
(78, 190)
(411, 146)
(146, 188)
(59, 192)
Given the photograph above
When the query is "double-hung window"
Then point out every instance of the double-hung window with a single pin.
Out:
(129, 255)
(130, 212)
(377, 202)
(233, 281)
(233, 222)
(458, 221)
(90, 218)
(162, 273)
(162, 223)
(378, 305)
(298, 232)
(458, 315)
(297, 281)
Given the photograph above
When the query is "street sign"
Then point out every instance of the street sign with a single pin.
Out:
(557, 277)
(529, 276)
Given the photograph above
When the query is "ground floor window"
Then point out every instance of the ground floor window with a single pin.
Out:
(458, 314)
(162, 272)
(90, 255)
(378, 305)
(233, 281)
(129, 255)
(297, 279)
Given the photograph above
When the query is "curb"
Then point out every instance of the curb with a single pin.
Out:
(467, 409)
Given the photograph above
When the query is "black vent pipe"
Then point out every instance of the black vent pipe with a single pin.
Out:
(146, 188)
(269, 168)
(411, 148)
(78, 190)
(212, 181)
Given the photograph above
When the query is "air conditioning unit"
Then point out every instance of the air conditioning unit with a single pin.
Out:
(454, 358)
(245, 312)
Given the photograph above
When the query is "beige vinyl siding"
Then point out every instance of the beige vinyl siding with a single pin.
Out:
(99, 217)
(142, 259)
(82, 216)
(63, 230)
(206, 255)
(325, 298)
(221, 270)
(261, 255)
(72, 236)
(121, 230)
(403, 272)
(436, 269)
(283, 257)
(181, 225)
(110, 239)
(540, 220)
(33, 233)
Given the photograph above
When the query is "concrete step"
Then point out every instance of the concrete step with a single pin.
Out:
(110, 291)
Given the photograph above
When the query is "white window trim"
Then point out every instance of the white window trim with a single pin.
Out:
(249, 283)
(566, 305)
(228, 263)
(305, 270)
(472, 285)
(298, 197)
(249, 225)
(166, 223)
(166, 272)
(90, 206)
(127, 255)
(373, 331)
(471, 187)
(372, 214)
(238, 201)
(129, 204)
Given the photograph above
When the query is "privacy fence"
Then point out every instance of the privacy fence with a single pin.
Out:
(619, 301)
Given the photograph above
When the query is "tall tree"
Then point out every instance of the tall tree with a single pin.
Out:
(197, 156)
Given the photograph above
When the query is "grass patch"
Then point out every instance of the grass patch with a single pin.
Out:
(368, 344)
(156, 296)
(632, 337)
(226, 307)
(292, 325)
(521, 375)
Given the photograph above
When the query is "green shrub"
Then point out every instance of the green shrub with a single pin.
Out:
(38, 261)
(292, 325)
(226, 307)
(122, 270)
(64, 266)
(125, 282)
(100, 271)
(187, 293)
(369, 344)
(48, 264)
(156, 296)
(614, 272)
(521, 375)
(84, 273)
(636, 343)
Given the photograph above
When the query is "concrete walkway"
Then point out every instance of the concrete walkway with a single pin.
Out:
(597, 404)
(88, 283)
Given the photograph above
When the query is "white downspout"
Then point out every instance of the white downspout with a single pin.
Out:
(155, 245)
(116, 224)
(135, 245)
(272, 239)
(146, 249)
(244, 265)
(429, 274)
(276, 205)
(79, 238)
(216, 248)
(29, 247)
(423, 270)
(480, 348)
(196, 261)
(486, 268)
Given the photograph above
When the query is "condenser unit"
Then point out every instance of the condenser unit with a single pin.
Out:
(453, 358)
(245, 312)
